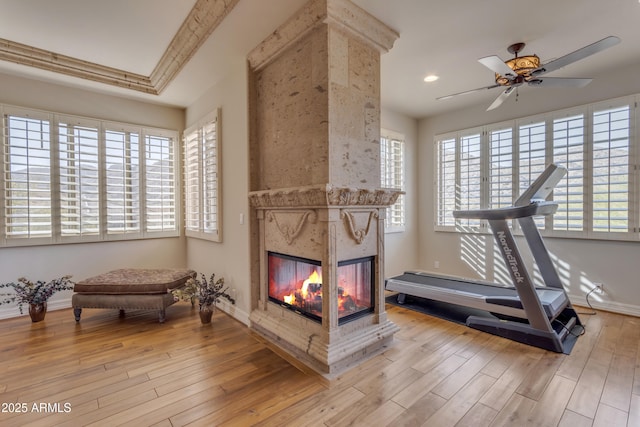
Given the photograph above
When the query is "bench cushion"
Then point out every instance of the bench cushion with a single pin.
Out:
(134, 281)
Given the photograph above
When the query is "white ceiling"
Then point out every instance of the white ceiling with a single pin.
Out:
(445, 37)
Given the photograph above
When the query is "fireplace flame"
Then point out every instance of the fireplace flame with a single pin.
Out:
(304, 292)
(313, 278)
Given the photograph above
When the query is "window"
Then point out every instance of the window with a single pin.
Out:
(27, 173)
(491, 166)
(78, 173)
(71, 179)
(446, 171)
(469, 176)
(202, 179)
(392, 176)
(122, 164)
(531, 161)
(160, 180)
(611, 174)
(500, 167)
(568, 150)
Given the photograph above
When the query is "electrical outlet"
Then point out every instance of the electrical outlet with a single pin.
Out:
(436, 264)
(599, 287)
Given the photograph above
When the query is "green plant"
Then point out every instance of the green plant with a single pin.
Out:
(208, 292)
(28, 292)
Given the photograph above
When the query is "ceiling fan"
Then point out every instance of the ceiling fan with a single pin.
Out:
(528, 70)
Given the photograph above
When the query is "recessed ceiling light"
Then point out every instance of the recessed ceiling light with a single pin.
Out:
(432, 77)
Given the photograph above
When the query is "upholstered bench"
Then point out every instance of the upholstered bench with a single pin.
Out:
(130, 289)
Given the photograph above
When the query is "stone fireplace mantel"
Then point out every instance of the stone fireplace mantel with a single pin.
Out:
(323, 196)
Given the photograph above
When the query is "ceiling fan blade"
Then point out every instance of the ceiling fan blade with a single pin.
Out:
(559, 82)
(501, 98)
(577, 55)
(497, 65)
(468, 91)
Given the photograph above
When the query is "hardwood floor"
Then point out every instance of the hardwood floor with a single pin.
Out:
(108, 371)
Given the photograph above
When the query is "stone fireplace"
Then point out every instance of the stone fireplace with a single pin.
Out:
(317, 224)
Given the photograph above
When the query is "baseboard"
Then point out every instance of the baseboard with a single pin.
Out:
(614, 307)
(13, 311)
(233, 311)
(7, 312)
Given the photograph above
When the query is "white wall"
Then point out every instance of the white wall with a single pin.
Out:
(230, 258)
(85, 259)
(401, 249)
(582, 261)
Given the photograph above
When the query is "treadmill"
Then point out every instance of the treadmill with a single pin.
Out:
(539, 316)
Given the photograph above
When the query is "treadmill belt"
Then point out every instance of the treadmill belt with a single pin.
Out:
(458, 285)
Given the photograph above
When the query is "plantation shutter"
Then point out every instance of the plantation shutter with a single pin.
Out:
(569, 193)
(610, 170)
(192, 180)
(160, 209)
(202, 179)
(78, 174)
(27, 176)
(122, 176)
(392, 175)
(210, 177)
(531, 163)
(500, 168)
(446, 185)
(470, 161)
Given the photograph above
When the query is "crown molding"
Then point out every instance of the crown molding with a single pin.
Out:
(46, 60)
(203, 19)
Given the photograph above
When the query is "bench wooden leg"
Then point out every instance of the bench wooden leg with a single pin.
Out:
(77, 312)
(161, 316)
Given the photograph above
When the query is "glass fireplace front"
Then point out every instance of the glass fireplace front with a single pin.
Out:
(296, 283)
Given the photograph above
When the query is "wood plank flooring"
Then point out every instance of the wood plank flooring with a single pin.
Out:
(109, 371)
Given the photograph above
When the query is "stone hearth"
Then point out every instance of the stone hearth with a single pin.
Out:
(315, 173)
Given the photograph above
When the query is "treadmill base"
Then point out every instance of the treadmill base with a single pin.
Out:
(560, 341)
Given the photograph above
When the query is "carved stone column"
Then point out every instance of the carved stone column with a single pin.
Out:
(315, 172)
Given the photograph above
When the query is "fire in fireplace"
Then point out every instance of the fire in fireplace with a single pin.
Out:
(296, 283)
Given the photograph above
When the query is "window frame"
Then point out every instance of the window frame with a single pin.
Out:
(551, 143)
(397, 169)
(200, 198)
(33, 115)
(56, 193)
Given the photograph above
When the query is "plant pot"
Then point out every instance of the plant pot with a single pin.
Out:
(205, 314)
(37, 311)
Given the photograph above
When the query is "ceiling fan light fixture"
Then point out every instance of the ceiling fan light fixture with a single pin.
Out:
(522, 66)
(521, 70)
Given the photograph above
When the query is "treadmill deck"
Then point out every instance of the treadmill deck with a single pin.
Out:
(486, 296)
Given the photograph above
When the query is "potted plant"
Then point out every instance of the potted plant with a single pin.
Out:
(207, 292)
(35, 294)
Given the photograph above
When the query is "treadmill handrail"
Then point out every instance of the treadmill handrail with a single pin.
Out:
(543, 186)
(509, 212)
(530, 203)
